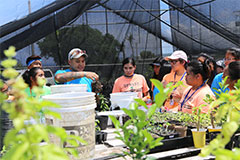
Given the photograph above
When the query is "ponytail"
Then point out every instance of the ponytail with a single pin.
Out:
(203, 69)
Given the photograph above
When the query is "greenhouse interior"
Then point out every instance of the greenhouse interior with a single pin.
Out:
(107, 32)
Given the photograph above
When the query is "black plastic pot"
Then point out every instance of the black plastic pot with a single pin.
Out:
(5, 125)
(103, 121)
(174, 143)
(100, 137)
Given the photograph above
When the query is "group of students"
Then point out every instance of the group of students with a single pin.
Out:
(199, 77)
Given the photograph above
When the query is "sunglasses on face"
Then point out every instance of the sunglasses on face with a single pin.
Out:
(173, 61)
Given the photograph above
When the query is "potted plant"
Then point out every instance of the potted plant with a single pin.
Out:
(100, 136)
(185, 120)
(201, 122)
(103, 103)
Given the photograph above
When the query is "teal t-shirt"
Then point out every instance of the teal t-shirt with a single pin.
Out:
(31, 93)
(215, 85)
(83, 80)
(46, 89)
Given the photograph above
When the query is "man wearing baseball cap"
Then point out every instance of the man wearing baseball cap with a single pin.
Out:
(75, 74)
(178, 59)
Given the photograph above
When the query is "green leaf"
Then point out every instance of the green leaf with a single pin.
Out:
(10, 73)
(10, 137)
(79, 139)
(152, 110)
(10, 52)
(141, 103)
(18, 123)
(115, 121)
(9, 63)
(52, 113)
(160, 98)
(141, 115)
(157, 84)
(128, 112)
(17, 151)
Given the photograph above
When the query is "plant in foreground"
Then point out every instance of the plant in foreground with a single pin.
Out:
(23, 141)
(228, 105)
(135, 134)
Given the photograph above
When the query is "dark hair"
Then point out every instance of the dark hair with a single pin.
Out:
(163, 70)
(128, 60)
(33, 57)
(235, 52)
(30, 73)
(210, 60)
(205, 55)
(234, 70)
(158, 61)
(200, 68)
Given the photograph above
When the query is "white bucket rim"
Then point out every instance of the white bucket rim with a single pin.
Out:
(74, 109)
(124, 93)
(53, 96)
(68, 85)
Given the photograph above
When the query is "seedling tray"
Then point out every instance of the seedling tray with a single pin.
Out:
(174, 143)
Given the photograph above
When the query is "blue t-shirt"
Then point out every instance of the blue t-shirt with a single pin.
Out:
(83, 80)
(155, 91)
(215, 84)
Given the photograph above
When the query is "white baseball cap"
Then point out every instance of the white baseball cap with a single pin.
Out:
(76, 53)
(176, 55)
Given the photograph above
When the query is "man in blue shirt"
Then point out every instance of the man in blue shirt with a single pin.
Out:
(75, 74)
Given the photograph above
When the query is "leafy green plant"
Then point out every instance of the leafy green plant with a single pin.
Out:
(104, 103)
(228, 105)
(135, 134)
(201, 120)
(23, 141)
(97, 128)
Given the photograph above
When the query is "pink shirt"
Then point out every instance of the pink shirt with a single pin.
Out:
(137, 83)
(196, 100)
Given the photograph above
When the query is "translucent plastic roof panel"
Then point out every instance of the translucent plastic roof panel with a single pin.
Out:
(11, 10)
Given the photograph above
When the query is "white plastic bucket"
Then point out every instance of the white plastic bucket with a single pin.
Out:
(122, 99)
(123, 95)
(78, 119)
(68, 88)
(67, 100)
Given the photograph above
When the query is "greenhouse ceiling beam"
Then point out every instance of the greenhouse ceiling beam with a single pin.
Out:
(15, 25)
(159, 34)
(42, 29)
(205, 21)
(127, 10)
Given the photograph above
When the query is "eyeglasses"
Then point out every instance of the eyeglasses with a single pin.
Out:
(173, 61)
(229, 59)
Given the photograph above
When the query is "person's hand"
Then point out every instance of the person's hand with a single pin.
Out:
(164, 83)
(4, 88)
(91, 75)
(176, 96)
